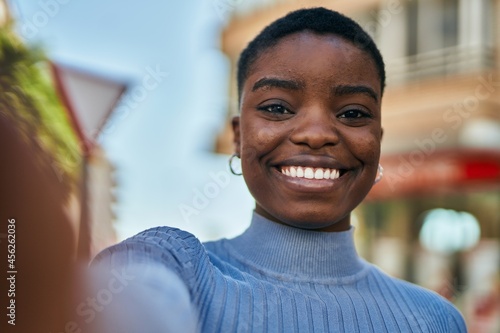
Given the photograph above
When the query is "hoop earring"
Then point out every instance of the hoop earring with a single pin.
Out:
(380, 174)
(231, 165)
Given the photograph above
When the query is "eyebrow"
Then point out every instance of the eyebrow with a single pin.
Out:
(343, 90)
(277, 83)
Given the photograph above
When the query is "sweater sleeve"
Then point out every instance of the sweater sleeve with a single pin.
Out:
(455, 320)
(172, 248)
(154, 280)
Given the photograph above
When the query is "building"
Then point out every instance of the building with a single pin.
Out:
(102, 184)
(89, 100)
(435, 218)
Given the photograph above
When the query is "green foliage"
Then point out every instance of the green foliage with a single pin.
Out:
(28, 96)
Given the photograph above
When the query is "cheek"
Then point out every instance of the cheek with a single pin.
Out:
(259, 137)
(264, 135)
(364, 145)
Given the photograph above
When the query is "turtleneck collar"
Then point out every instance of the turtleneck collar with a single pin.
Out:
(298, 253)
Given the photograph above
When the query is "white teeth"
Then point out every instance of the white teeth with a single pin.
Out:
(309, 173)
(300, 172)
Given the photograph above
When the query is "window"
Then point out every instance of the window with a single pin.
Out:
(432, 25)
(439, 38)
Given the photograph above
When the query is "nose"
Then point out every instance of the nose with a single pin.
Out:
(315, 127)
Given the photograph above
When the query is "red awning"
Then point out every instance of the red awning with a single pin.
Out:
(441, 172)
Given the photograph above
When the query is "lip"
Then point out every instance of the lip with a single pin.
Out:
(305, 185)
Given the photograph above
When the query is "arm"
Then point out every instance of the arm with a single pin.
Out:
(455, 320)
(140, 298)
(142, 285)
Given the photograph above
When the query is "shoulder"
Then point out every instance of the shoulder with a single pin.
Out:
(425, 306)
(153, 276)
(173, 248)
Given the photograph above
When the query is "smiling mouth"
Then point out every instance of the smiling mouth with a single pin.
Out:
(310, 172)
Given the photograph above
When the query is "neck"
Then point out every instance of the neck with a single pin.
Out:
(302, 253)
(343, 225)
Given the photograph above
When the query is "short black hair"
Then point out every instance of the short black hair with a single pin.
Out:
(318, 20)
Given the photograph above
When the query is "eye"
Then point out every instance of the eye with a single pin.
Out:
(356, 117)
(353, 113)
(274, 109)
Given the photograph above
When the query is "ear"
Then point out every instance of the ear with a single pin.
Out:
(236, 135)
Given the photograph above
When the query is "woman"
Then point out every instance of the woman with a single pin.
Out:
(310, 88)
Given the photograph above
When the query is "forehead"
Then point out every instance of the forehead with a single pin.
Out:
(307, 54)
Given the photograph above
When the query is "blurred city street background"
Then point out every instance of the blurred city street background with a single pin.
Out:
(115, 118)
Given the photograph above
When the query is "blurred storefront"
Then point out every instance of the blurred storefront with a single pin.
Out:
(435, 218)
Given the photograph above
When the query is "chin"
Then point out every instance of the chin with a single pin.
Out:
(312, 220)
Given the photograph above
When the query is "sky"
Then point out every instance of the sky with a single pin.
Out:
(161, 147)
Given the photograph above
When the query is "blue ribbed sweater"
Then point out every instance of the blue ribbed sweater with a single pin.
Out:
(276, 278)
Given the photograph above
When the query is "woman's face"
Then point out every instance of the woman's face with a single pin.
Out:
(309, 131)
